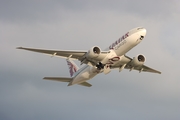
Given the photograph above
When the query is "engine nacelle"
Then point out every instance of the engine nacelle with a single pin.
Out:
(94, 52)
(138, 61)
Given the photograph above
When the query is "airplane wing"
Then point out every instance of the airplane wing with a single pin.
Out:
(145, 68)
(142, 68)
(79, 55)
(61, 53)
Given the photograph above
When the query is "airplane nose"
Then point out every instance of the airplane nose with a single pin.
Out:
(143, 32)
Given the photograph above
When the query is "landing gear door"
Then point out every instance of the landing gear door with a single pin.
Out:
(106, 69)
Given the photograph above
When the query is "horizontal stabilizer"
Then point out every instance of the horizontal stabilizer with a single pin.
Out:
(85, 84)
(66, 79)
(60, 79)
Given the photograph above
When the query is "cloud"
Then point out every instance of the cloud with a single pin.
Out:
(81, 25)
(45, 11)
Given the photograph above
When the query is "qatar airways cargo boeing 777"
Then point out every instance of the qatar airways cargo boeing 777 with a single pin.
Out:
(98, 61)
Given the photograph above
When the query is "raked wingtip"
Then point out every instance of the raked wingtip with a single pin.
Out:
(19, 47)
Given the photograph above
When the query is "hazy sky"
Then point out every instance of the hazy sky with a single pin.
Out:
(79, 25)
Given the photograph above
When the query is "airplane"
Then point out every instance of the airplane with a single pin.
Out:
(97, 61)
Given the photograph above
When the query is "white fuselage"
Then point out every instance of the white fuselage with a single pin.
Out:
(116, 50)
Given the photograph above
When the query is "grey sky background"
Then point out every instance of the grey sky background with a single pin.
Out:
(79, 25)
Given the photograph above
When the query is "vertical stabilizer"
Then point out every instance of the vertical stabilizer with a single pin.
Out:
(72, 67)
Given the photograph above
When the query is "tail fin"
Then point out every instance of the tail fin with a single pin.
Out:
(72, 67)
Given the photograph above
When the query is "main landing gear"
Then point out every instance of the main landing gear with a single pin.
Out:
(100, 66)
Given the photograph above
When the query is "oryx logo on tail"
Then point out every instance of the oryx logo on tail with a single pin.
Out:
(72, 67)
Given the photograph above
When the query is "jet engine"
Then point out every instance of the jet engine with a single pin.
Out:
(94, 52)
(138, 61)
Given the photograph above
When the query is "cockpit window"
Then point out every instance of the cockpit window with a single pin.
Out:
(140, 28)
